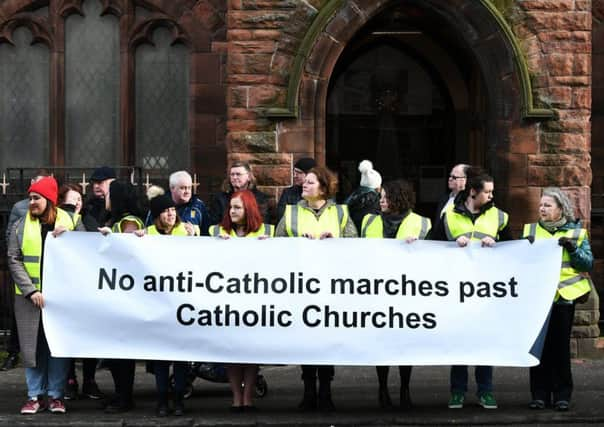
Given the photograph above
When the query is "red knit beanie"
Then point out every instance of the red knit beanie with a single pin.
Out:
(46, 187)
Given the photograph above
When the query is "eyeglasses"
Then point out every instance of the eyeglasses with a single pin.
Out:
(238, 174)
(456, 177)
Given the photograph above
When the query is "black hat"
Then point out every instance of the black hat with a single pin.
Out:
(161, 203)
(305, 164)
(103, 173)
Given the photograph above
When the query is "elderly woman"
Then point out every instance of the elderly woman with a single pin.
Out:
(243, 219)
(552, 381)
(240, 178)
(45, 375)
(396, 221)
(316, 216)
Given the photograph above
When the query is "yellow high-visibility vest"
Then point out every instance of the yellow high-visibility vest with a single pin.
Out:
(264, 230)
(572, 284)
(179, 230)
(413, 225)
(488, 224)
(31, 246)
(117, 227)
(300, 220)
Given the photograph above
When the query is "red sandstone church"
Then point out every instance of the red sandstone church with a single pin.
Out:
(416, 86)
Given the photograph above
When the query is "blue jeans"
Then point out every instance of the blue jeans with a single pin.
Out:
(49, 375)
(483, 374)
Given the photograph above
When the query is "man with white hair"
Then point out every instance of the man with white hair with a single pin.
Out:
(190, 208)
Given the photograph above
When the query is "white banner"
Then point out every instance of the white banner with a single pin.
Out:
(297, 301)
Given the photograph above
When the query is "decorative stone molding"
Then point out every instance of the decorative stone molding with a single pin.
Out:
(326, 15)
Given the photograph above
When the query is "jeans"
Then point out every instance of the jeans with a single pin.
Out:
(49, 375)
(483, 374)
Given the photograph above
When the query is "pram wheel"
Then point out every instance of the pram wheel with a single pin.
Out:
(261, 386)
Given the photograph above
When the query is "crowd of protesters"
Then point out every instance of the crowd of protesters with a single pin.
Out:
(307, 209)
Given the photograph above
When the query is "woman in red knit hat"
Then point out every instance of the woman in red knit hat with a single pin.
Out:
(45, 375)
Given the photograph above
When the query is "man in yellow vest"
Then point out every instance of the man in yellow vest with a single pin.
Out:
(473, 218)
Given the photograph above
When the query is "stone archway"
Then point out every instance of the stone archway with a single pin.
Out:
(477, 26)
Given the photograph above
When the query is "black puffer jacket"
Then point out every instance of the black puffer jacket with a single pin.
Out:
(361, 202)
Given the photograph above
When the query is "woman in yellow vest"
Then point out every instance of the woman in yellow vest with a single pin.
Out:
(45, 375)
(167, 222)
(242, 219)
(473, 217)
(165, 219)
(551, 381)
(124, 209)
(396, 221)
(317, 216)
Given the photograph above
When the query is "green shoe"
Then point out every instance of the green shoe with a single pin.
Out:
(456, 400)
(487, 401)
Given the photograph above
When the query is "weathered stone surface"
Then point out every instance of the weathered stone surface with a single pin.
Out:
(584, 317)
(549, 5)
(257, 19)
(523, 140)
(590, 331)
(540, 21)
(252, 142)
(273, 175)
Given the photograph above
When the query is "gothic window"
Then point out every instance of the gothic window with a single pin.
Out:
(24, 86)
(162, 80)
(92, 77)
(91, 82)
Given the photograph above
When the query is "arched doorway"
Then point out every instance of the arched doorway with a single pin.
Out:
(405, 95)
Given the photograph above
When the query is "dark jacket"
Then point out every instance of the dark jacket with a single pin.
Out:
(220, 201)
(290, 196)
(361, 202)
(438, 231)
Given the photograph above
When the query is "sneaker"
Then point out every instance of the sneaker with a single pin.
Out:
(91, 390)
(456, 400)
(11, 362)
(487, 401)
(56, 406)
(561, 405)
(33, 407)
(537, 404)
(71, 389)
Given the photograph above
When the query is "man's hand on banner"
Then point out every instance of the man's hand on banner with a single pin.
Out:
(488, 242)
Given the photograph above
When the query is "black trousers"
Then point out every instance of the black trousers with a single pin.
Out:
(122, 371)
(325, 373)
(88, 370)
(13, 342)
(552, 378)
(404, 372)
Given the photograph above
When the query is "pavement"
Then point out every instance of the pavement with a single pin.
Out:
(354, 392)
